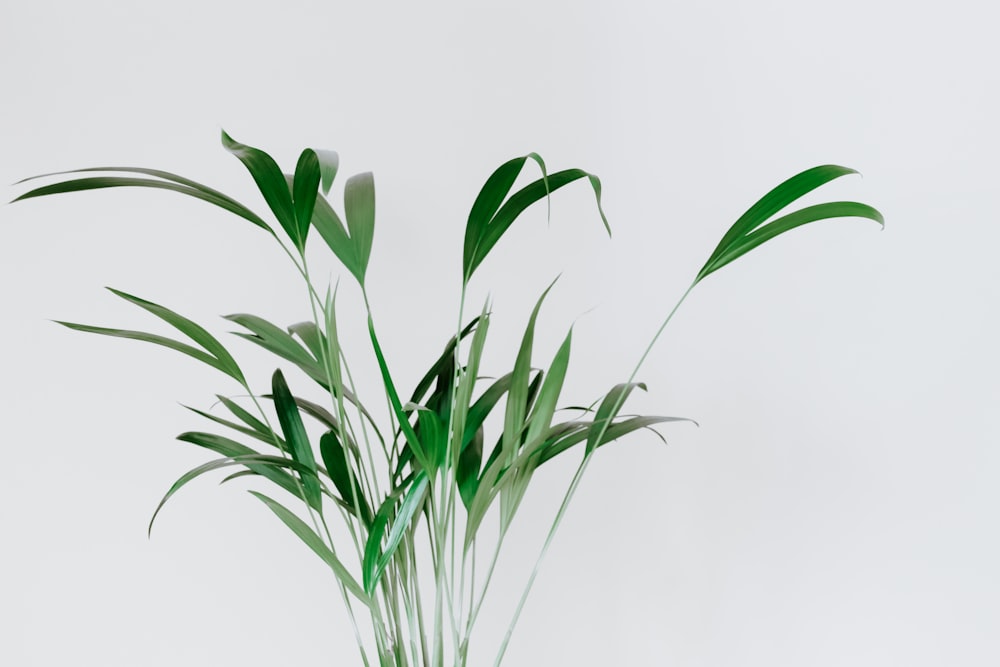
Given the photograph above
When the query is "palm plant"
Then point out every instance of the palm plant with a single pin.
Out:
(440, 461)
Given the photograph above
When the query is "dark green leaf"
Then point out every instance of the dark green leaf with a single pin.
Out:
(270, 181)
(344, 475)
(172, 182)
(828, 211)
(295, 435)
(469, 462)
(231, 448)
(304, 191)
(518, 202)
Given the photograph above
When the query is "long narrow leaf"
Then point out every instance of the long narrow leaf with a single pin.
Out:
(184, 348)
(314, 542)
(172, 183)
(520, 201)
(190, 329)
(411, 503)
(295, 434)
(609, 409)
(828, 211)
(259, 461)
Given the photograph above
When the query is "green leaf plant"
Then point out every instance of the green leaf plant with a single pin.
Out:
(436, 463)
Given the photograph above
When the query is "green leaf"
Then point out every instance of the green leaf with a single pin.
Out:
(468, 377)
(244, 416)
(411, 503)
(517, 396)
(828, 211)
(278, 341)
(609, 409)
(555, 447)
(312, 337)
(314, 542)
(304, 191)
(467, 472)
(329, 226)
(742, 237)
(482, 238)
(171, 182)
(192, 330)
(228, 447)
(253, 461)
(329, 162)
(545, 406)
(490, 197)
(270, 181)
(189, 350)
(295, 435)
(390, 390)
(344, 476)
(269, 438)
(359, 209)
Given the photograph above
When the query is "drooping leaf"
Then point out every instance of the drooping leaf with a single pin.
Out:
(254, 461)
(482, 238)
(189, 350)
(314, 542)
(190, 329)
(490, 197)
(171, 182)
(613, 432)
(230, 448)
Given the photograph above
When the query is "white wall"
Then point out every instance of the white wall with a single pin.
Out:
(838, 504)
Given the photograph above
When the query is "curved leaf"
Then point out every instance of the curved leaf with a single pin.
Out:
(270, 181)
(190, 329)
(171, 182)
(314, 542)
(828, 211)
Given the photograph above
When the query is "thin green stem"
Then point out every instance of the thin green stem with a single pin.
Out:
(576, 480)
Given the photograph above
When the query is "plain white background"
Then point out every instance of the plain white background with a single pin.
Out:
(838, 504)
